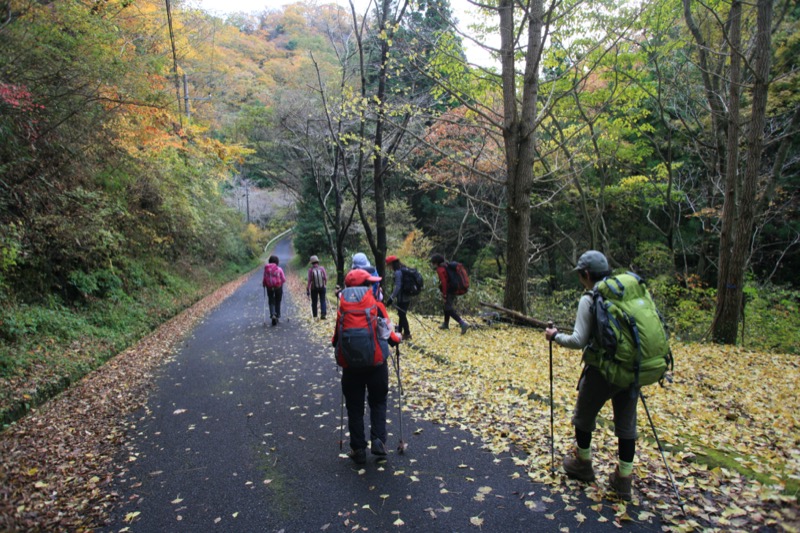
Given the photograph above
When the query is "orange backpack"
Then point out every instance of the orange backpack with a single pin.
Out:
(359, 344)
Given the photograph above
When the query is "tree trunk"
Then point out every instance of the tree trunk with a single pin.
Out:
(729, 291)
(379, 167)
(739, 220)
(519, 128)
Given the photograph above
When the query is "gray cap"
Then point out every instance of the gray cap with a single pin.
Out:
(593, 261)
(360, 260)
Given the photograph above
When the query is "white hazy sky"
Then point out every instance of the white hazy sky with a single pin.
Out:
(461, 9)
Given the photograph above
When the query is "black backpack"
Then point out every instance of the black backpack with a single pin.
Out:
(412, 281)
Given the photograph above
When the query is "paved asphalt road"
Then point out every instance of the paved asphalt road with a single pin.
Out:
(241, 433)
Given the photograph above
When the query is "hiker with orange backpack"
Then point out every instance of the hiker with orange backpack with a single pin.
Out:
(362, 338)
(451, 286)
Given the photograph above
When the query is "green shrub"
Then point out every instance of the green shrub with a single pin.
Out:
(653, 260)
(10, 248)
(100, 283)
(771, 318)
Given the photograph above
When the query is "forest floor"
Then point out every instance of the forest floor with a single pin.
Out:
(729, 421)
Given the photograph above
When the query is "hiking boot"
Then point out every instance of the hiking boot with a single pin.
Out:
(464, 327)
(359, 457)
(274, 320)
(406, 336)
(444, 326)
(322, 317)
(622, 485)
(577, 468)
(378, 448)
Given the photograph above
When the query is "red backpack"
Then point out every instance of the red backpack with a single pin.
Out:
(272, 276)
(457, 278)
(358, 343)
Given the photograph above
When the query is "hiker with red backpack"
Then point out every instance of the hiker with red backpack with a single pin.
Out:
(452, 283)
(315, 288)
(362, 338)
(616, 363)
(273, 281)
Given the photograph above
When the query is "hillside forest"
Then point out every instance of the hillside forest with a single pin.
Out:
(132, 132)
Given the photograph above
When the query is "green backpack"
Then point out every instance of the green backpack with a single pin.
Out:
(631, 343)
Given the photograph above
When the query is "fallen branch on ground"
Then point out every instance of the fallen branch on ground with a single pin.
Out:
(525, 319)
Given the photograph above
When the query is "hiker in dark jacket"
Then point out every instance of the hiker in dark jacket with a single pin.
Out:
(315, 288)
(273, 281)
(439, 263)
(594, 390)
(372, 380)
(399, 297)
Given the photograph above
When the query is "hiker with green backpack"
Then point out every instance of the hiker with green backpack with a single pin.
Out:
(625, 346)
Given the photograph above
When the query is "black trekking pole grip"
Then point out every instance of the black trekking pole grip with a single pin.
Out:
(552, 433)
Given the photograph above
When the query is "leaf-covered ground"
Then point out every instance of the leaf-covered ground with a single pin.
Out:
(730, 422)
(56, 460)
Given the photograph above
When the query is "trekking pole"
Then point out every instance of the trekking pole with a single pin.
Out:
(341, 415)
(663, 457)
(401, 448)
(427, 330)
(552, 437)
(341, 425)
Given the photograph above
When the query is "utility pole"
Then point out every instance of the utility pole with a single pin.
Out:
(186, 97)
(174, 60)
(247, 199)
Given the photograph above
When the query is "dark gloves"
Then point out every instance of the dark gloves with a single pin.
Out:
(389, 301)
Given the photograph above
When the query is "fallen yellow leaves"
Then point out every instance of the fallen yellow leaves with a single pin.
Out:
(729, 421)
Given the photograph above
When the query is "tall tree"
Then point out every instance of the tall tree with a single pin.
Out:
(519, 134)
(737, 223)
(739, 206)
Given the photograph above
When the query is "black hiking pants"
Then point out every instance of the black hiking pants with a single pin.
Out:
(450, 309)
(274, 297)
(402, 317)
(375, 383)
(318, 295)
